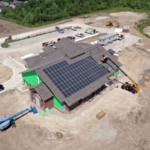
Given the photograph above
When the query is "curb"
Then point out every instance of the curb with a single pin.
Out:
(86, 37)
(12, 75)
(17, 62)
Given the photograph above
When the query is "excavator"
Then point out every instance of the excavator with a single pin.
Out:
(110, 23)
(134, 87)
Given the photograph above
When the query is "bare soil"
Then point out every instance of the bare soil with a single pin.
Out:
(125, 126)
(147, 30)
(5, 73)
(17, 56)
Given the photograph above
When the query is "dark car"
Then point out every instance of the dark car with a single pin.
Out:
(60, 30)
(70, 37)
(1, 87)
(58, 39)
(111, 51)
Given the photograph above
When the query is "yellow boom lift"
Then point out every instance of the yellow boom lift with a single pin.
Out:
(110, 23)
(134, 88)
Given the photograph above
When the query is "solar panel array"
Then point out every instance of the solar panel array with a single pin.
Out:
(70, 78)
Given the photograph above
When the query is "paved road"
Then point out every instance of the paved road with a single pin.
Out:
(17, 68)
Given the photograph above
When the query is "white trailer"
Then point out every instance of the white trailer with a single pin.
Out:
(104, 40)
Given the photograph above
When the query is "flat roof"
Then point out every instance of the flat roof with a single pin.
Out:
(106, 36)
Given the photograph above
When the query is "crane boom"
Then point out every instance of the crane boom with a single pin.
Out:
(10, 118)
(135, 85)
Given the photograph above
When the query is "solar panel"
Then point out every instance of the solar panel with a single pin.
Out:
(70, 78)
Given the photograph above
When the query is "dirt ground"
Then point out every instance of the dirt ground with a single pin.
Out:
(125, 126)
(147, 30)
(5, 73)
(17, 56)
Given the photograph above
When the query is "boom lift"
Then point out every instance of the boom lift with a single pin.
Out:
(110, 23)
(134, 88)
(6, 122)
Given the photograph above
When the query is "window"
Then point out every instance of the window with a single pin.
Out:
(30, 85)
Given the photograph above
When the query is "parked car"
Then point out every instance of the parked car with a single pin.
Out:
(48, 43)
(58, 39)
(70, 37)
(60, 30)
(1, 87)
(73, 28)
(80, 35)
(111, 51)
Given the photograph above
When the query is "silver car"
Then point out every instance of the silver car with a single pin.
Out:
(80, 35)
(73, 28)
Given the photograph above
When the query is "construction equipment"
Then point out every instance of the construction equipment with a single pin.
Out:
(48, 43)
(134, 87)
(100, 115)
(7, 122)
(110, 23)
(8, 39)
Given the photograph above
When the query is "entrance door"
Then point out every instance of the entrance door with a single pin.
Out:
(37, 101)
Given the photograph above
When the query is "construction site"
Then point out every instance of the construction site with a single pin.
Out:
(91, 92)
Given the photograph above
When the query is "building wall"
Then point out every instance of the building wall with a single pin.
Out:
(31, 78)
(48, 103)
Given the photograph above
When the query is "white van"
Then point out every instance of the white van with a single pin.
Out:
(90, 31)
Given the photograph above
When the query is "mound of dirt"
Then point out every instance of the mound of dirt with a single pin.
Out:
(9, 28)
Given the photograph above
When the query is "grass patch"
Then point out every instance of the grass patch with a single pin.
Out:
(5, 45)
(78, 27)
(85, 17)
(143, 24)
(89, 23)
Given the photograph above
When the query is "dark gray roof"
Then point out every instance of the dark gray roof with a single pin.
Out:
(60, 54)
(43, 91)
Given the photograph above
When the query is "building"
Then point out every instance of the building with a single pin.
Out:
(67, 75)
(104, 40)
(3, 4)
(125, 29)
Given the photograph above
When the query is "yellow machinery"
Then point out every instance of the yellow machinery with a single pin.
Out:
(110, 23)
(134, 88)
(8, 39)
(101, 114)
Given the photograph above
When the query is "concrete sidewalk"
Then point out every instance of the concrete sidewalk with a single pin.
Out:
(17, 78)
